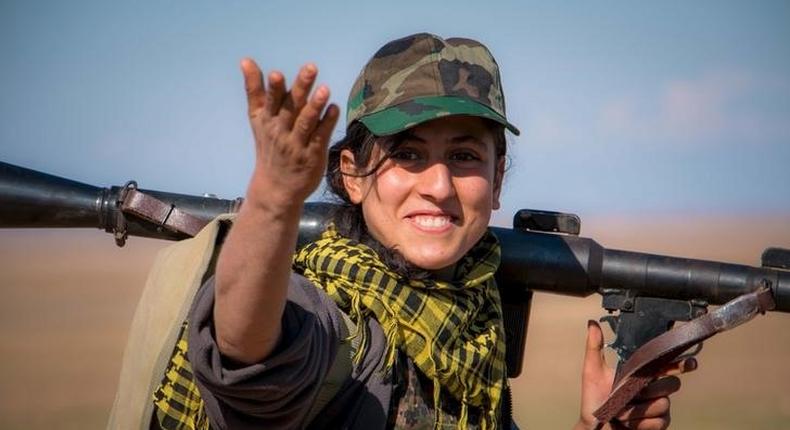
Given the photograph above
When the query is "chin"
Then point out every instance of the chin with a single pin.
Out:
(432, 262)
(434, 254)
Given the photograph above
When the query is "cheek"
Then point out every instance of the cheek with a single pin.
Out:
(477, 194)
(382, 203)
(477, 190)
(390, 189)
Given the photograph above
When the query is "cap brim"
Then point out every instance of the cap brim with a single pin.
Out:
(406, 115)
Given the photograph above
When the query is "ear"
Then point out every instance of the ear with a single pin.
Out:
(352, 184)
(499, 175)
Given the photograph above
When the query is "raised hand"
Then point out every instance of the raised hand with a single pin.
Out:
(254, 265)
(291, 135)
(648, 411)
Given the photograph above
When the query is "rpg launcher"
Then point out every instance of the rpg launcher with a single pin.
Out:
(644, 294)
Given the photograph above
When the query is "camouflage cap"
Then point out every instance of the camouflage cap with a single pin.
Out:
(423, 77)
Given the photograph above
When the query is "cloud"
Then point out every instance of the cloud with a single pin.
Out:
(704, 109)
(552, 127)
(700, 107)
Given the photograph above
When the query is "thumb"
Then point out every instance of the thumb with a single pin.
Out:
(594, 360)
(596, 375)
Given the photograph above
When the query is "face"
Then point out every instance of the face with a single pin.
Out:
(432, 199)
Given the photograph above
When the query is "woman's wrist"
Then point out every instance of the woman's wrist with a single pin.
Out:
(273, 199)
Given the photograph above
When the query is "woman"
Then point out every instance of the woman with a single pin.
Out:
(406, 270)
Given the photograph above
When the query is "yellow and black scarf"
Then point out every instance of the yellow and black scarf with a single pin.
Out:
(453, 331)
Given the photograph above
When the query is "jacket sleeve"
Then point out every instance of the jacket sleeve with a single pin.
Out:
(279, 391)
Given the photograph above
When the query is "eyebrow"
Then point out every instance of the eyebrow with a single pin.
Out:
(464, 138)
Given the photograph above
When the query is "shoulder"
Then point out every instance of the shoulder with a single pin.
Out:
(303, 293)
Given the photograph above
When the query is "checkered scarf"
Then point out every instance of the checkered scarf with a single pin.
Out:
(452, 331)
(177, 401)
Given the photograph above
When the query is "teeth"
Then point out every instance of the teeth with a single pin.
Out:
(431, 221)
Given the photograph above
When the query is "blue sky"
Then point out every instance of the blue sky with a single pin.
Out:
(625, 107)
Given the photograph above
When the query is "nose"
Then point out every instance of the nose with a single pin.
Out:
(436, 182)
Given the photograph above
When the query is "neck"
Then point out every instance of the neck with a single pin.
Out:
(446, 274)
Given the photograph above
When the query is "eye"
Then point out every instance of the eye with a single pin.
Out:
(405, 154)
(465, 156)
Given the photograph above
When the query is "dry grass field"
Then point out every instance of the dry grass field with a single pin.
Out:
(68, 298)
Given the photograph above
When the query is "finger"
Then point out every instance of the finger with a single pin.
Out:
(324, 129)
(296, 99)
(647, 424)
(616, 425)
(680, 367)
(594, 359)
(308, 117)
(253, 86)
(648, 409)
(660, 388)
(276, 93)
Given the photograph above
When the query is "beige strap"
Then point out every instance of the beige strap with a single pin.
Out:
(176, 275)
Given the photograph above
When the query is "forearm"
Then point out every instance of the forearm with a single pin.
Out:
(252, 276)
(254, 266)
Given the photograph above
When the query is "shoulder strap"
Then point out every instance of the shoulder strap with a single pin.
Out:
(164, 214)
(341, 368)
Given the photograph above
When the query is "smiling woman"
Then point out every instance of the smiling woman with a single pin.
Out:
(392, 318)
(430, 193)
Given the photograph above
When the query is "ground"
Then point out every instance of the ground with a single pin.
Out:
(69, 296)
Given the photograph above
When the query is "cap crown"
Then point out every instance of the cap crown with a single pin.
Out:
(425, 66)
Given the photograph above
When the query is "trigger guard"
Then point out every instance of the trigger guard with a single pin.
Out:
(691, 352)
(611, 320)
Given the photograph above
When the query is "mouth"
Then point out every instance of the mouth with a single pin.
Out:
(433, 223)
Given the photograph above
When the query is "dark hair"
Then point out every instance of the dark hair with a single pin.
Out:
(348, 218)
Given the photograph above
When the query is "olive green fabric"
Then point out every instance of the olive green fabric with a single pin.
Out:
(453, 331)
(423, 77)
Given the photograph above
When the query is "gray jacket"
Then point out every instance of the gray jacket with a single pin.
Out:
(280, 392)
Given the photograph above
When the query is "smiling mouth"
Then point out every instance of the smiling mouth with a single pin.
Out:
(432, 222)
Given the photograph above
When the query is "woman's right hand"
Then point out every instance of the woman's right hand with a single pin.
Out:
(254, 265)
(291, 135)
